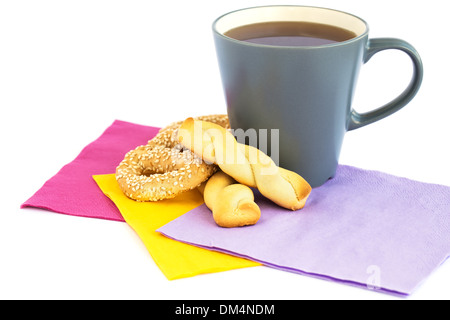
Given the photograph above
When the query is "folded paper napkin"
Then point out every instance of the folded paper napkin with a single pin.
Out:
(362, 228)
(175, 259)
(73, 191)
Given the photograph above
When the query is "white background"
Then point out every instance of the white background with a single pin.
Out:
(69, 68)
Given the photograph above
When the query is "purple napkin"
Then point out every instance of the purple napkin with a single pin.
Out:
(362, 228)
(73, 191)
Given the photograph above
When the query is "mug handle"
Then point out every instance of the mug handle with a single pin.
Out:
(358, 120)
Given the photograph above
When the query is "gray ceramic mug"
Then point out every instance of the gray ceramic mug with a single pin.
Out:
(303, 91)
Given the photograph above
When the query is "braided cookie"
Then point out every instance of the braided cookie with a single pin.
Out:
(167, 136)
(245, 164)
(232, 204)
(162, 169)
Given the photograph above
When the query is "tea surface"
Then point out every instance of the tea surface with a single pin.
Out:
(290, 33)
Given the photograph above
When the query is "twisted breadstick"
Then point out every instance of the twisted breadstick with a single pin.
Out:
(245, 164)
(232, 204)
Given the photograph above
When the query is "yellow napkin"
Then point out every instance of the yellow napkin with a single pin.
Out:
(175, 259)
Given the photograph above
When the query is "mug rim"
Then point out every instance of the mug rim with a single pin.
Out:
(335, 44)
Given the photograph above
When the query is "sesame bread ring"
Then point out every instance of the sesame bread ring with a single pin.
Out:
(162, 169)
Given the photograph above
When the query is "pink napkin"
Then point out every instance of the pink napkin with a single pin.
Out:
(363, 228)
(73, 191)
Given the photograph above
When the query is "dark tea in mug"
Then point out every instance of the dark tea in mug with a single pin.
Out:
(290, 33)
(298, 80)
